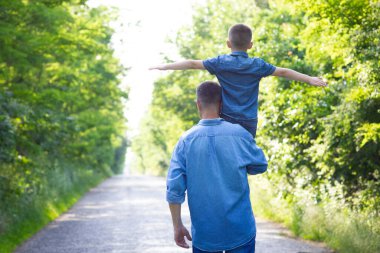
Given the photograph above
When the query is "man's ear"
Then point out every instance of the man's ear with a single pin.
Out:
(229, 45)
(250, 45)
(199, 106)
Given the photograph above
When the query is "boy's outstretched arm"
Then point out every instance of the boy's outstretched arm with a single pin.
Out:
(296, 76)
(181, 65)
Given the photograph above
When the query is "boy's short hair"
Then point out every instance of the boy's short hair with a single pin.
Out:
(240, 36)
(209, 93)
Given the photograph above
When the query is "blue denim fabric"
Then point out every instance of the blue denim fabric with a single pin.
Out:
(246, 248)
(211, 162)
(251, 127)
(239, 76)
(250, 124)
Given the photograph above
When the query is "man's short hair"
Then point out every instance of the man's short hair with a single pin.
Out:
(209, 93)
(240, 36)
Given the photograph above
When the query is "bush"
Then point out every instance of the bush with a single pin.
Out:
(61, 112)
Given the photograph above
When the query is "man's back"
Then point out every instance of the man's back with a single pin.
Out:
(214, 155)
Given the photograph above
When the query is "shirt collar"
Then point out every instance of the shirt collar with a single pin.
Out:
(210, 122)
(240, 53)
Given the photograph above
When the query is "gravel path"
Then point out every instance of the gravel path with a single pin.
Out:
(129, 214)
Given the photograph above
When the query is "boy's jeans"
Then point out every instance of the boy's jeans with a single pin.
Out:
(249, 247)
(249, 124)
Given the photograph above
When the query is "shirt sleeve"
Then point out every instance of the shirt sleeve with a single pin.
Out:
(264, 68)
(211, 65)
(176, 179)
(254, 158)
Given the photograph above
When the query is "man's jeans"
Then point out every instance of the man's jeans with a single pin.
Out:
(249, 124)
(249, 247)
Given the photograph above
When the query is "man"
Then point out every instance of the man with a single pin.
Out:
(211, 162)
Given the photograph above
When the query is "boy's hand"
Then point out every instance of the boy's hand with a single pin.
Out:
(158, 67)
(294, 75)
(180, 65)
(317, 81)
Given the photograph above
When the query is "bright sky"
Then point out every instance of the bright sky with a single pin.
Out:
(141, 41)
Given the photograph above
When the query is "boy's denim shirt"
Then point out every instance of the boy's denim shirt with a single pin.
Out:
(239, 76)
(211, 162)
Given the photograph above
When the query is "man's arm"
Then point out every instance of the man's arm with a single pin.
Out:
(181, 65)
(255, 160)
(296, 76)
(175, 193)
(180, 231)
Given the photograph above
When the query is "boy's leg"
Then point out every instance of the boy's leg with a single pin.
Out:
(250, 125)
(246, 248)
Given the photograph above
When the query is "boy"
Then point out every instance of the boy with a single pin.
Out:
(239, 77)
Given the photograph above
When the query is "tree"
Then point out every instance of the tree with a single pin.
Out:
(61, 113)
(322, 144)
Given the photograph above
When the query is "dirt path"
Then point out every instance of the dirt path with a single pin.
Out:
(129, 214)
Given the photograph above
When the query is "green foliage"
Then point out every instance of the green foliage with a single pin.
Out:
(331, 220)
(322, 144)
(61, 114)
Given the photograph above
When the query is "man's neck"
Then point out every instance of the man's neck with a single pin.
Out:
(209, 115)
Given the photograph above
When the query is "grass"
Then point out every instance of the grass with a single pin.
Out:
(342, 229)
(24, 220)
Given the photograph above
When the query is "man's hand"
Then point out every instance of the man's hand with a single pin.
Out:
(179, 236)
(317, 81)
(180, 232)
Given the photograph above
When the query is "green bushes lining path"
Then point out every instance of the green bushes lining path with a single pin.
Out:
(323, 179)
(330, 220)
(26, 217)
(61, 114)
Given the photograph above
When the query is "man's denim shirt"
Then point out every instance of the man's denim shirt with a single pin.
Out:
(210, 162)
(239, 76)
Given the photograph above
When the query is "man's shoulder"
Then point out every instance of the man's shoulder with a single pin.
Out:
(225, 128)
(236, 130)
(190, 133)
